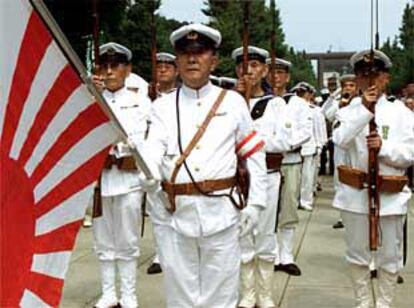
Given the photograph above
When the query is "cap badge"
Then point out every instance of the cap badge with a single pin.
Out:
(111, 51)
(192, 36)
(367, 58)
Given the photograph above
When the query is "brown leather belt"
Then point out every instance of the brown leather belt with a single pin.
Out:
(359, 179)
(124, 163)
(274, 161)
(207, 186)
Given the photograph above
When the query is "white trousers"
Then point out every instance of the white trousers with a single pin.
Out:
(200, 272)
(389, 254)
(308, 180)
(262, 243)
(116, 232)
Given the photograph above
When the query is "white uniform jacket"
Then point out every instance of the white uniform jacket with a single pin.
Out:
(270, 126)
(320, 130)
(299, 122)
(396, 128)
(330, 108)
(319, 134)
(230, 134)
(133, 111)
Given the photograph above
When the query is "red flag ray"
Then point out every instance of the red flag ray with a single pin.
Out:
(48, 288)
(60, 239)
(65, 85)
(88, 173)
(83, 124)
(35, 42)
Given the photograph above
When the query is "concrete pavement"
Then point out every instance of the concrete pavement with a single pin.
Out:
(319, 249)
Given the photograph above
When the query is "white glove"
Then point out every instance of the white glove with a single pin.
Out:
(337, 93)
(249, 219)
(149, 185)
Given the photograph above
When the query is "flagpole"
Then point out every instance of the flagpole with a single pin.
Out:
(67, 49)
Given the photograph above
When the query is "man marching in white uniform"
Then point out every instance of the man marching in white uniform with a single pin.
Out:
(200, 253)
(332, 110)
(311, 149)
(269, 115)
(298, 121)
(116, 231)
(395, 145)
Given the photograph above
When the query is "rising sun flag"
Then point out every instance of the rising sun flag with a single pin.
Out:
(54, 139)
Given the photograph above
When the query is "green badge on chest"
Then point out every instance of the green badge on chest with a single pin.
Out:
(385, 130)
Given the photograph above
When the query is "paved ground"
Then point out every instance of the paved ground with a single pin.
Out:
(324, 282)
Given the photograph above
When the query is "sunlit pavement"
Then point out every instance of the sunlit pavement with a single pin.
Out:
(319, 248)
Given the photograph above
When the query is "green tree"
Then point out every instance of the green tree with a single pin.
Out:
(401, 52)
(75, 19)
(227, 17)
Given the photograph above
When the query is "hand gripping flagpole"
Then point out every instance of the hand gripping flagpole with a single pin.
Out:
(66, 48)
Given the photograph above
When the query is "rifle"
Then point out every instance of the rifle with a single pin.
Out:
(246, 9)
(97, 197)
(153, 89)
(273, 46)
(373, 165)
(95, 33)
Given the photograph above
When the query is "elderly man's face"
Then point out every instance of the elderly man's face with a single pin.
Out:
(282, 78)
(166, 72)
(195, 67)
(410, 90)
(256, 71)
(349, 87)
(114, 74)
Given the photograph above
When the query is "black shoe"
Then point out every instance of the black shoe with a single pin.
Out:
(374, 274)
(291, 269)
(338, 225)
(155, 268)
(400, 279)
(276, 268)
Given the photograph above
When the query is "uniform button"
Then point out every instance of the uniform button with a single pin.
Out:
(198, 104)
(198, 147)
(196, 169)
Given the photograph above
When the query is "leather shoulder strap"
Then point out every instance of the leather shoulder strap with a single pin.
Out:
(200, 132)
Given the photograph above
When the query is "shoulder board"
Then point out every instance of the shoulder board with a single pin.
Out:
(260, 107)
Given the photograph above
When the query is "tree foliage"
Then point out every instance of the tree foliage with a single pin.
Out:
(129, 22)
(227, 17)
(401, 52)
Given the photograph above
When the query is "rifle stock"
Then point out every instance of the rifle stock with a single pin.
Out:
(373, 176)
(95, 34)
(246, 13)
(153, 89)
(273, 45)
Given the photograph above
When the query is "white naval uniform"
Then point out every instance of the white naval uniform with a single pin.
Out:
(278, 140)
(200, 255)
(321, 141)
(116, 231)
(299, 122)
(396, 128)
(310, 153)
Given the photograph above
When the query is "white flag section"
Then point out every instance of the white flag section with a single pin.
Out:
(54, 140)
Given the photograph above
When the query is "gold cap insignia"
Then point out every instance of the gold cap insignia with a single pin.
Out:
(192, 36)
(111, 51)
(367, 58)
